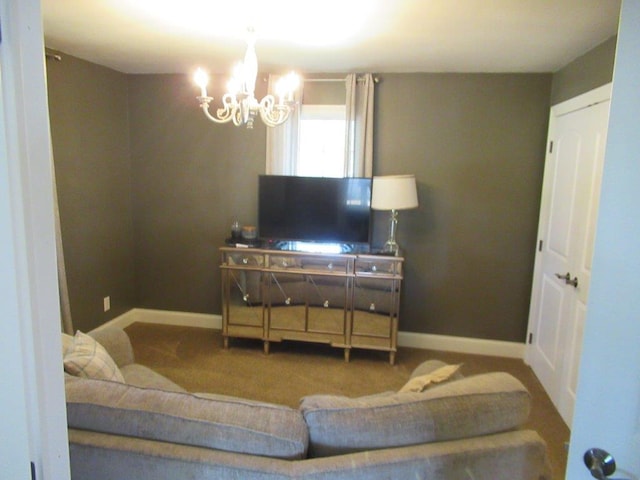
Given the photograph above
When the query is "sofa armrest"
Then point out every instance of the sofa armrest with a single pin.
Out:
(117, 343)
(473, 406)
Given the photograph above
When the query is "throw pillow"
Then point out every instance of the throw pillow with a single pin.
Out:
(421, 382)
(89, 359)
(67, 343)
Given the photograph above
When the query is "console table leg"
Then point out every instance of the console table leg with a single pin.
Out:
(225, 342)
(266, 347)
(392, 358)
(347, 352)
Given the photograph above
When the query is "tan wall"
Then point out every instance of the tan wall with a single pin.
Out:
(476, 145)
(191, 179)
(474, 141)
(589, 71)
(88, 107)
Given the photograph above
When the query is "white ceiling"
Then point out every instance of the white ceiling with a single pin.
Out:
(175, 36)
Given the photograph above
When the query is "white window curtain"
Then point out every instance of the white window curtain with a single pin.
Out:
(359, 129)
(282, 141)
(65, 304)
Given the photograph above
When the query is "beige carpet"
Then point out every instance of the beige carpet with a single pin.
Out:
(194, 358)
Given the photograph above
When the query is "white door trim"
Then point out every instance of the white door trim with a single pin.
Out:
(30, 273)
(597, 95)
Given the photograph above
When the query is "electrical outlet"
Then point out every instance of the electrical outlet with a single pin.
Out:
(106, 301)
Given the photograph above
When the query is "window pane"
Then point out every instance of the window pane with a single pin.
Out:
(322, 134)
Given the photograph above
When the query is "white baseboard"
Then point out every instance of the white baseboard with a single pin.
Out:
(424, 341)
(447, 343)
(165, 317)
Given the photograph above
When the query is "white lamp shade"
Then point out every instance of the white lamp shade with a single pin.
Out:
(394, 192)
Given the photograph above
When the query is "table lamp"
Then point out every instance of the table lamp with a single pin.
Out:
(393, 192)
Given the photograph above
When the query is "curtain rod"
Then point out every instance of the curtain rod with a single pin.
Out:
(375, 79)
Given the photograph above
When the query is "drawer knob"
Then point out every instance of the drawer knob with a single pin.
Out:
(326, 304)
(245, 260)
(374, 268)
(372, 307)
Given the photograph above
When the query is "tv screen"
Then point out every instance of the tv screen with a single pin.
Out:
(314, 209)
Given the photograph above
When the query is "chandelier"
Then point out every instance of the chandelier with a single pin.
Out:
(239, 104)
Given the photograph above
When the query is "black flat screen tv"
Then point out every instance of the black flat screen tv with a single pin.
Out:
(314, 209)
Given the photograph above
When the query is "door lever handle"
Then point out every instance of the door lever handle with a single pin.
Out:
(568, 280)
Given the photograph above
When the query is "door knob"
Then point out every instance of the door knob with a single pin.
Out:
(600, 463)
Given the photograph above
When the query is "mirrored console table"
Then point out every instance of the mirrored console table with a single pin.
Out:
(344, 300)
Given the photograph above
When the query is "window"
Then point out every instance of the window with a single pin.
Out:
(321, 141)
(314, 140)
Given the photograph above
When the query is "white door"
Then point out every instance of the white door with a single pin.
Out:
(568, 212)
(607, 411)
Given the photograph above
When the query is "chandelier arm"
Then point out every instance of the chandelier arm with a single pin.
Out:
(238, 116)
(273, 114)
(231, 110)
(272, 120)
(204, 104)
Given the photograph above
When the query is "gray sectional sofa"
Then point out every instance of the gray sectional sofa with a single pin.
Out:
(150, 428)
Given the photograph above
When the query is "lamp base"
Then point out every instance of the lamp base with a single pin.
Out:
(391, 246)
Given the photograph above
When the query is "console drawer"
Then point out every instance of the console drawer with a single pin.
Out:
(243, 259)
(378, 266)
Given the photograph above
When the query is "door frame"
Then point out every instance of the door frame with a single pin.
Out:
(31, 346)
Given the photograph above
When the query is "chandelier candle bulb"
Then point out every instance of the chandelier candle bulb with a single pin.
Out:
(289, 84)
(233, 86)
(281, 91)
(201, 78)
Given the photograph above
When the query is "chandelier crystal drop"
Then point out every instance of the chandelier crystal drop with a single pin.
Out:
(239, 104)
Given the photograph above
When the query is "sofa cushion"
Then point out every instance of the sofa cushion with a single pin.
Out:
(141, 376)
(87, 358)
(228, 423)
(472, 406)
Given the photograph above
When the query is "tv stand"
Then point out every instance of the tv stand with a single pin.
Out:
(344, 300)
